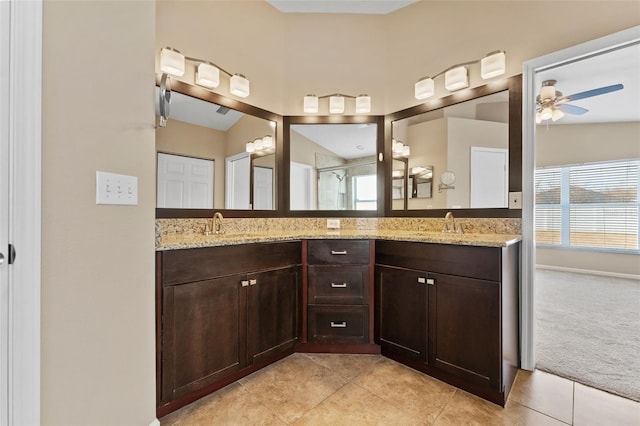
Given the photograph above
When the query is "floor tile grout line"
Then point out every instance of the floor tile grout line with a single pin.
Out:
(444, 406)
(540, 412)
(246, 389)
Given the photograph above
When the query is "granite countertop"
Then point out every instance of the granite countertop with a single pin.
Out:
(192, 240)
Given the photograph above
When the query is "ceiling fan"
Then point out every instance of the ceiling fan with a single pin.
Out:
(550, 104)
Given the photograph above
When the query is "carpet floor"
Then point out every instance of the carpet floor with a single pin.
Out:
(588, 330)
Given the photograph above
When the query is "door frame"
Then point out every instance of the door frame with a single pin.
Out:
(530, 68)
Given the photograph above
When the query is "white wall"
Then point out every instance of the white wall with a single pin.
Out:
(98, 338)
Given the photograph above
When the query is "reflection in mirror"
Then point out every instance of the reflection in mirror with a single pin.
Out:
(470, 139)
(333, 166)
(203, 160)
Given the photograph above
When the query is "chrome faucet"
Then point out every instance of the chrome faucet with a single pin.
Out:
(217, 223)
(450, 227)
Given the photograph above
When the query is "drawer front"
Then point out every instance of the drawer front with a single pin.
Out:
(338, 324)
(343, 285)
(484, 263)
(338, 252)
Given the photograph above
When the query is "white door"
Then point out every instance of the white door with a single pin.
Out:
(4, 210)
(184, 182)
(237, 181)
(300, 187)
(489, 177)
(262, 188)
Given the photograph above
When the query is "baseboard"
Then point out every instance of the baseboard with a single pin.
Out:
(590, 272)
(155, 422)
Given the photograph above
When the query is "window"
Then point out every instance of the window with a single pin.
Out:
(588, 206)
(365, 192)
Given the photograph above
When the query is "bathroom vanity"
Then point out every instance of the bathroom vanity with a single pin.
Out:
(449, 310)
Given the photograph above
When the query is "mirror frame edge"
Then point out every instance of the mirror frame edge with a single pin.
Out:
(514, 85)
(336, 119)
(207, 95)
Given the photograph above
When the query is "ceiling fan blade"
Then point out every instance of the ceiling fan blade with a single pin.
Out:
(572, 109)
(593, 92)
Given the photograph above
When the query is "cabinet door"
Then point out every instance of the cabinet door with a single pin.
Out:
(402, 311)
(464, 331)
(273, 312)
(204, 337)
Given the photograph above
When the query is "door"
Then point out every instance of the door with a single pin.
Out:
(204, 337)
(4, 210)
(402, 314)
(262, 188)
(273, 312)
(184, 182)
(489, 177)
(301, 187)
(464, 328)
(237, 181)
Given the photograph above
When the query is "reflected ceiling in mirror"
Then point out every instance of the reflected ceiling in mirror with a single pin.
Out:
(333, 166)
(201, 130)
(470, 139)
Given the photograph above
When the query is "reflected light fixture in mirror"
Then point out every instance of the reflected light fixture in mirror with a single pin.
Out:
(311, 103)
(456, 76)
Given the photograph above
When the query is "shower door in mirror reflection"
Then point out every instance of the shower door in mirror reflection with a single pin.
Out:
(184, 182)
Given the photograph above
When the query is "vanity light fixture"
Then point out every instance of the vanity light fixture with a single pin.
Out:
(172, 62)
(261, 146)
(207, 75)
(399, 149)
(311, 103)
(456, 76)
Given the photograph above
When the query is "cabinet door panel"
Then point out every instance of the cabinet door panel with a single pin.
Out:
(203, 315)
(273, 312)
(402, 311)
(465, 328)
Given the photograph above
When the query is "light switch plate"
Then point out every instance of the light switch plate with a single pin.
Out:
(515, 200)
(333, 223)
(112, 188)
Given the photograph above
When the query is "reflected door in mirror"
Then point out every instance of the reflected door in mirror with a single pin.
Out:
(184, 182)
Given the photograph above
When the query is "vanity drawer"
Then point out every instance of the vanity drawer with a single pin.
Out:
(338, 324)
(338, 252)
(343, 285)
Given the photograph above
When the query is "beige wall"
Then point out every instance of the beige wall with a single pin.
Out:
(289, 55)
(97, 306)
(565, 144)
(188, 139)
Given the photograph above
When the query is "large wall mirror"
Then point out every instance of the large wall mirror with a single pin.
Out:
(216, 154)
(333, 165)
(459, 152)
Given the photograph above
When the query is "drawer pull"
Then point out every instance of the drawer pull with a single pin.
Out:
(336, 252)
(431, 281)
(244, 283)
(421, 280)
(253, 282)
(342, 324)
(334, 285)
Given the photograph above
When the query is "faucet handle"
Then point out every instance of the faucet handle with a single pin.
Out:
(207, 228)
(460, 230)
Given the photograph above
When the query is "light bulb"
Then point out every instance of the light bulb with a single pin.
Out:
(546, 113)
(257, 144)
(250, 147)
(267, 142)
(557, 114)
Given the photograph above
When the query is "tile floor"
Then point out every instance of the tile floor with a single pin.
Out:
(327, 389)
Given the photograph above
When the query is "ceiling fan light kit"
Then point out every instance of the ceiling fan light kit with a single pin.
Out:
(551, 105)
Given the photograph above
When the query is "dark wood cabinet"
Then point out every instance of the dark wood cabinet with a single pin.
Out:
(338, 291)
(222, 319)
(451, 312)
(402, 311)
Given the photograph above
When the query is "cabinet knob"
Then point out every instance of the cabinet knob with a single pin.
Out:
(335, 285)
(342, 324)
(338, 252)
(253, 282)
(244, 283)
